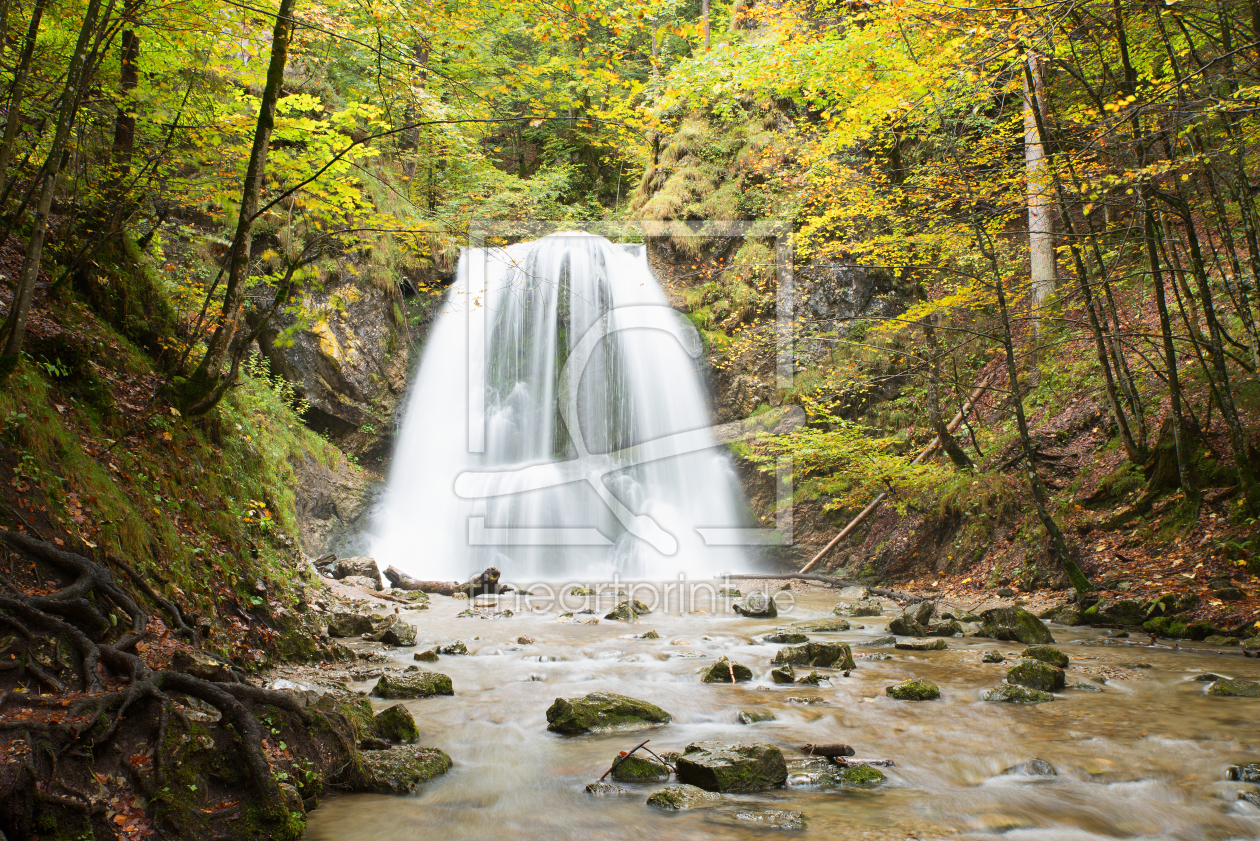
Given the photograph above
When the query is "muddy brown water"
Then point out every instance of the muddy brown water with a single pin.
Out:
(1144, 758)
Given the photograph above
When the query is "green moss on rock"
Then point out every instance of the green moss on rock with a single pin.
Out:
(401, 769)
(1046, 654)
(821, 655)
(640, 769)
(1014, 694)
(1035, 674)
(680, 797)
(860, 775)
(397, 724)
(1235, 688)
(603, 712)
(413, 685)
(716, 766)
(821, 626)
(725, 671)
(1014, 624)
(917, 689)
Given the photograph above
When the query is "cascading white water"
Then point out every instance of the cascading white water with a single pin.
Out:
(581, 378)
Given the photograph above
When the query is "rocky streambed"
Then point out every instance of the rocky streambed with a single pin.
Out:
(1036, 731)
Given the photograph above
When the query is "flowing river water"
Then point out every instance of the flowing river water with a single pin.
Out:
(1144, 758)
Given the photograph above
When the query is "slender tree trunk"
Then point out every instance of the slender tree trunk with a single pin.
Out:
(125, 119)
(704, 18)
(205, 378)
(1040, 204)
(78, 75)
(952, 449)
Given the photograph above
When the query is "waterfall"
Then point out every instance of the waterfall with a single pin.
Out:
(552, 383)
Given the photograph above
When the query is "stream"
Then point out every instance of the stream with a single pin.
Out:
(1144, 758)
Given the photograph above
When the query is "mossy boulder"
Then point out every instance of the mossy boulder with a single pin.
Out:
(1046, 654)
(640, 769)
(400, 769)
(603, 712)
(756, 606)
(860, 775)
(413, 685)
(628, 611)
(1251, 644)
(1235, 688)
(1014, 624)
(917, 689)
(397, 724)
(992, 657)
(863, 607)
(426, 656)
(680, 797)
(346, 624)
(785, 636)
(1119, 612)
(453, 649)
(814, 679)
(726, 671)
(783, 674)
(922, 645)
(1035, 674)
(904, 626)
(754, 716)
(394, 631)
(821, 626)
(716, 766)
(1012, 693)
(820, 655)
(1070, 615)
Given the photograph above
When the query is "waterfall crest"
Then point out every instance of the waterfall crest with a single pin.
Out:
(584, 450)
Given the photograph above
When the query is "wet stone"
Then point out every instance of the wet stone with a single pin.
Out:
(726, 671)
(885, 640)
(860, 775)
(603, 712)
(806, 700)
(814, 679)
(1248, 773)
(640, 769)
(904, 626)
(783, 674)
(821, 626)
(864, 607)
(781, 819)
(1046, 654)
(413, 685)
(525, 640)
(754, 716)
(1252, 644)
(1084, 686)
(945, 629)
(604, 789)
(628, 610)
(1032, 768)
(756, 606)
(453, 649)
(992, 657)
(822, 655)
(919, 613)
(922, 645)
(1015, 694)
(425, 656)
(397, 724)
(716, 766)
(785, 636)
(1014, 624)
(1235, 688)
(917, 689)
(400, 770)
(649, 635)
(681, 797)
(1035, 674)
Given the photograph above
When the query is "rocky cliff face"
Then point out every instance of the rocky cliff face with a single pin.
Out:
(348, 350)
(332, 504)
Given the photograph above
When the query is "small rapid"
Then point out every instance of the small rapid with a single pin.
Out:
(1143, 758)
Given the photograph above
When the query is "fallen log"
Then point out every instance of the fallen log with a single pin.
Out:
(896, 595)
(403, 581)
(847, 761)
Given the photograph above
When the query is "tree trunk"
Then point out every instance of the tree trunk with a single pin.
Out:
(18, 91)
(704, 19)
(125, 119)
(1040, 218)
(205, 378)
(952, 449)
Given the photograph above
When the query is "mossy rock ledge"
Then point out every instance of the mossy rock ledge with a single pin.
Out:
(818, 655)
(718, 766)
(399, 770)
(603, 712)
(860, 608)
(918, 689)
(628, 611)
(682, 797)
(1014, 624)
(860, 775)
(821, 626)
(413, 685)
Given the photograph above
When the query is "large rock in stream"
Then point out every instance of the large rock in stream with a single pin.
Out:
(397, 724)
(1035, 674)
(413, 685)
(818, 655)
(1235, 688)
(678, 798)
(400, 769)
(1014, 624)
(640, 769)
(756, 606)
(917, 689)
(603, 712)
(717, 766)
